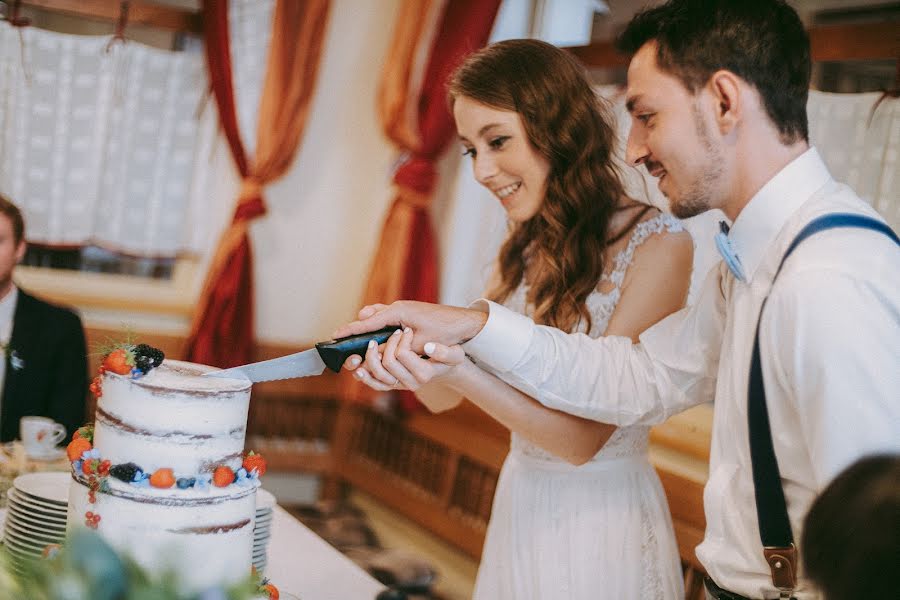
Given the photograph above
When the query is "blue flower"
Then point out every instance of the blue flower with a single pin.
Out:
(216, 593)
(76, 465)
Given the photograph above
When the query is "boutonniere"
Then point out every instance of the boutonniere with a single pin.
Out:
(15, 361)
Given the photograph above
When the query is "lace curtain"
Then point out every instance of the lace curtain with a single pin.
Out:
(100, 147)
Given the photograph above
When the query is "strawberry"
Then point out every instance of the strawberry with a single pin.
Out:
(271, 590)
(162, 478)
(119, 361)
(223, 476)
(255, 461)
(86, 432)
(90, 466)
(77, 447)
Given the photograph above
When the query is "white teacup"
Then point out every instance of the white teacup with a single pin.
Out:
(40, 435)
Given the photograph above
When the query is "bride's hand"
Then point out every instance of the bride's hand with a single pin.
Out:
(396, 366)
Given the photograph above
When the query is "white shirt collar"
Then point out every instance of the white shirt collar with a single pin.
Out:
(763, 217)
(7, 311)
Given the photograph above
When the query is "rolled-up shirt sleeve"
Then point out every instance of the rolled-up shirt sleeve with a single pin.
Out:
(608, 379)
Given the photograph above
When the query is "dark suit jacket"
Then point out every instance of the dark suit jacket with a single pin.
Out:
(52, 377)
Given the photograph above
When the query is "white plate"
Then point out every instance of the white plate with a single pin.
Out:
(16, 530)
(30, 545)
(28, 504)
(35, 521)
(264, 500)
(36, 517)
(22, 548)
(53, 486)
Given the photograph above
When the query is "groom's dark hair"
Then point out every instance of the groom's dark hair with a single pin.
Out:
(761, 41)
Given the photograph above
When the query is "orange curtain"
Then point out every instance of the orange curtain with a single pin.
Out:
(430, 40)
(222, 331)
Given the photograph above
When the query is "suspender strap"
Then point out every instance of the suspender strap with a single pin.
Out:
(771, 508)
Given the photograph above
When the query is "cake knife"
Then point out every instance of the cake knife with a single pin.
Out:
(331, 354)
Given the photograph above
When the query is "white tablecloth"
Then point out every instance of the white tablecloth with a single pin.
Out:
(303, 564)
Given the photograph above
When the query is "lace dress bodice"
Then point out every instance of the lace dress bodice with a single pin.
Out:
(626, 441)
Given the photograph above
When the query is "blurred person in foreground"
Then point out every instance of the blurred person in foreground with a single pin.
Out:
(851, 537)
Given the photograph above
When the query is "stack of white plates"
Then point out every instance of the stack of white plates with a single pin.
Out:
(36, 516)
(265, 504)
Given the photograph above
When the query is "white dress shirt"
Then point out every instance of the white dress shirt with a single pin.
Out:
(830, 347)
(7, 312)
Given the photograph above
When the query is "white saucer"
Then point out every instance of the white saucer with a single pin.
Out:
(52, 454)
(53, 486)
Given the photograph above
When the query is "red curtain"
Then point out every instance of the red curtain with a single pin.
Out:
(222, 332)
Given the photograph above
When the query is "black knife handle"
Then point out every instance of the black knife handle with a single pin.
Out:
(335, 352)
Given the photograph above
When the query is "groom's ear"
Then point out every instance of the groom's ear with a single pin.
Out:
(727, 93)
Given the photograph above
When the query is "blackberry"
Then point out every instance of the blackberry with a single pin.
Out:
(155, 355)
(143, 362)
(125, 472)
(184, 483)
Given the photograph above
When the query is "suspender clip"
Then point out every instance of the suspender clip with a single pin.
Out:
(782, 563)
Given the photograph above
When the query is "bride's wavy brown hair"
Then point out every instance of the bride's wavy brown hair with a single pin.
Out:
(562, 245)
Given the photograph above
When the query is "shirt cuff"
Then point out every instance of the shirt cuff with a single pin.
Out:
(503, 340)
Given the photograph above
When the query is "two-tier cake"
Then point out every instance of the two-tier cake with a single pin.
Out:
(161, 474)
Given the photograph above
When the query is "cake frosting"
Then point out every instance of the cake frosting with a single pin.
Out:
(162, 478)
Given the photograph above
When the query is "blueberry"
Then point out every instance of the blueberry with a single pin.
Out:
(184, 483)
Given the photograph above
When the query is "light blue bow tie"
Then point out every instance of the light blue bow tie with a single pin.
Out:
(728, 253)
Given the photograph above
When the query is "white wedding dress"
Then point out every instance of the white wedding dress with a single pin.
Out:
(601, 530)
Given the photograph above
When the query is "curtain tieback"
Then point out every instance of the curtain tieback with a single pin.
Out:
(415, 178)
(250, 201)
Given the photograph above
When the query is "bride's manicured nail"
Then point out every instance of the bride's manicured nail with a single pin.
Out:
(358, 374)
(371, 344)
(354, 361)
(429, 348)
(397, 332)
(407, 330)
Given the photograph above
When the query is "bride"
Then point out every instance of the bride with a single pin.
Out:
(578, 510)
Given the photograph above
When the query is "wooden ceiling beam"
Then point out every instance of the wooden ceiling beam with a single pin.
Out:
(143, 13)
(857, 41)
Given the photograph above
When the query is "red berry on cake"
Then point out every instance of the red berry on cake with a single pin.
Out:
(77, 447)
(119, 361)
(255, 461)
(162, 478)
(223, 476)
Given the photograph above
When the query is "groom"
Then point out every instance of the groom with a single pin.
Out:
(717, 92)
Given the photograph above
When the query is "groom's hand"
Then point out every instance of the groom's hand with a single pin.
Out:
(447, 325)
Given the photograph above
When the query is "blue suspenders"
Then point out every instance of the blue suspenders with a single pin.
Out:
(771, 509)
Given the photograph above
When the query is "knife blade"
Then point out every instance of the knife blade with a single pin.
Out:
(331, 354)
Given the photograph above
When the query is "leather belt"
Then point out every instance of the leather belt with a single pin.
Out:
(716, 593)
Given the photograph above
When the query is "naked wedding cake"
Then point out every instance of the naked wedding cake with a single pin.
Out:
(161, 474)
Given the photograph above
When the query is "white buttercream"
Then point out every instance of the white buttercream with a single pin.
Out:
(165, 538)
(172, 418)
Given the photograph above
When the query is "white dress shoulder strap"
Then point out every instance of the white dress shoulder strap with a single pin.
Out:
(642, 231)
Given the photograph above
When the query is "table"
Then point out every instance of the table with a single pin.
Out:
(303, 564)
